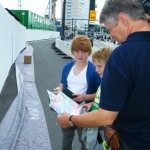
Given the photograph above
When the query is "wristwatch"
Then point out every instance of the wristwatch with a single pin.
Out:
(70, 122)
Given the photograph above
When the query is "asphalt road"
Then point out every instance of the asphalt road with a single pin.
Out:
(8, 93)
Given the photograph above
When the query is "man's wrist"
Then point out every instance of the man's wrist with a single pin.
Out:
(85, 97)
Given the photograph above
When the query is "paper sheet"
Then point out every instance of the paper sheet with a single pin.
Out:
(62, 103)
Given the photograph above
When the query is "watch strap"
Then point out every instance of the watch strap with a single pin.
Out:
(70, 117)
(70, 122)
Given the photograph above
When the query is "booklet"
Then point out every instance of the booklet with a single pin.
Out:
(62, 103)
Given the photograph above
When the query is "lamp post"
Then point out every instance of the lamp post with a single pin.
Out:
(63, 20)
(91, 26)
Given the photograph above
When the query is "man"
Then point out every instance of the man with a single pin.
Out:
(125, 95)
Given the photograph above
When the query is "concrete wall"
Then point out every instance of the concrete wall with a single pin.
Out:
(64, 46)
(12, 41)
(32, 35)
(13, 38)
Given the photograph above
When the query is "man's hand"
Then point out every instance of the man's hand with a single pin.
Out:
(63, 120)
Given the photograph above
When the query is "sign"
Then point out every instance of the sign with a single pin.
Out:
(92, 15)
(92, 22)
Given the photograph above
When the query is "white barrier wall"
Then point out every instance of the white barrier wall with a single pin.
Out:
(13, 38)
(32, 35)
(12, 41)
(64, 46)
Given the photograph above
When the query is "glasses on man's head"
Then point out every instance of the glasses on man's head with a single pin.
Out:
(80, 52)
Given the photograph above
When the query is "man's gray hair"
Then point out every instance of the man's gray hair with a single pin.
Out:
(112, 8)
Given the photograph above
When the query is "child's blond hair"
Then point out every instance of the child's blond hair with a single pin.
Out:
(101, 54)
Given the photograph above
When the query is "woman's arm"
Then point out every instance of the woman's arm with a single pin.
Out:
(60, 87)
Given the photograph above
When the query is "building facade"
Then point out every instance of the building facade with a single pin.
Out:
(50, 10)
(76, 13)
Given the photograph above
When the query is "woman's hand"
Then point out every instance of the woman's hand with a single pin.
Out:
(79, 97)
(57, 90)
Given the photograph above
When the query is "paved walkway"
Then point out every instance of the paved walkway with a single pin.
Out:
(24, 125)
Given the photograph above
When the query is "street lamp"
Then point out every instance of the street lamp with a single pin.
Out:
(90, 26)
(63, 20)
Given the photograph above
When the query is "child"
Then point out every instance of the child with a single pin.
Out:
(80, 78)
(90, 135)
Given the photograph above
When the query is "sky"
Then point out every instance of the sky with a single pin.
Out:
(39, 6)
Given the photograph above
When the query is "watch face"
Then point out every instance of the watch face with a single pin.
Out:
(70, 124)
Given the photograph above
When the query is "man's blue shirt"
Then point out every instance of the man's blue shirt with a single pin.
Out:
(126, 88)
